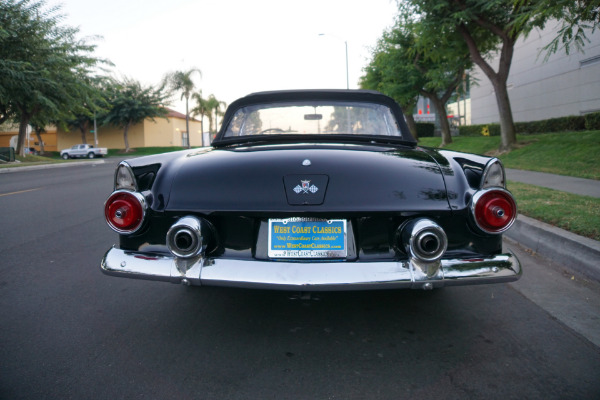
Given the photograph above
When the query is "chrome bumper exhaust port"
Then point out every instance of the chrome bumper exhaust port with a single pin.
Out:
(425, 242)
(188, 237)
(429, 243)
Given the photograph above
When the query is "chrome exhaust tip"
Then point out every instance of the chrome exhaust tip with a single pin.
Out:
(424, 240)
(185, 239)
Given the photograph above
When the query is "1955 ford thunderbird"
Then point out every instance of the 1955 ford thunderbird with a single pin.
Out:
(312, 190)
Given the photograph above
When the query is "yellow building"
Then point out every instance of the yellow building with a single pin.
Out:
(8, 131)
(158, 133)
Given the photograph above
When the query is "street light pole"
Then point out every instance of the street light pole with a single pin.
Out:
(346, 46)
(347, 76)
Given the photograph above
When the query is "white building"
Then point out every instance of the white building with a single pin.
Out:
(564, 85)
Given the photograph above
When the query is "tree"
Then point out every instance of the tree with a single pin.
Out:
(181, 81)
(201, 108)
(210, 107)
(91, 108)
(577, 17)
(443, 65)
(217, 107)
(406, 65)
(394, 74)
(132, 103)
(39, 122)
(486, 26)
(42, 64)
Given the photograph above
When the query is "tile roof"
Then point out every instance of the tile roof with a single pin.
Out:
(177, 114)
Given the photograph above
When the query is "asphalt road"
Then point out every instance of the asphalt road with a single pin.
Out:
(69, 332)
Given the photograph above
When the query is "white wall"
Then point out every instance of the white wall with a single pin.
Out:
(539, 90)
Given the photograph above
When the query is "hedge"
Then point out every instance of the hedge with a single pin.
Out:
(425, 129)
(479, 130)
(592, 121)
(570, 123)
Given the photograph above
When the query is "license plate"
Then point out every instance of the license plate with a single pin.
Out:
(307, 238)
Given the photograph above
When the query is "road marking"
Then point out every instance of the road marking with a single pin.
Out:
(21, 191)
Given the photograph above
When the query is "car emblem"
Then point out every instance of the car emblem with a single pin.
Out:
(306, 162)
(305, 188)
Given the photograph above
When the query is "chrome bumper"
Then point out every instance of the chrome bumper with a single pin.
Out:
(309, 276)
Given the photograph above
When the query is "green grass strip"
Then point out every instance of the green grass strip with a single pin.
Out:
(566, 153)
(577, 214)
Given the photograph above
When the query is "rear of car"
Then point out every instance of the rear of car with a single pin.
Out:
(312, 190)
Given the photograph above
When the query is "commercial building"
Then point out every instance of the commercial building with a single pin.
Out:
(538, 89)
(158, 133)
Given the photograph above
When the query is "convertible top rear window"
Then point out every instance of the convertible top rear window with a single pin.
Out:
(314, 118)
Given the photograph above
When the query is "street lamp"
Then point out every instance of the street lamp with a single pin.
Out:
(346, 45)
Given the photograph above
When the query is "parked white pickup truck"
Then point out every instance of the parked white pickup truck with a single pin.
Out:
(83, 150)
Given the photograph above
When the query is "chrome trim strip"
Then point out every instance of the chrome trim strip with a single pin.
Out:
(308, 276)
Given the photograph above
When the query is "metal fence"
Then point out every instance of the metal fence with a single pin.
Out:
(7, 154)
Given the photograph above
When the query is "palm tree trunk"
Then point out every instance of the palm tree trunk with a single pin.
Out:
(187, 123)
(202, 128)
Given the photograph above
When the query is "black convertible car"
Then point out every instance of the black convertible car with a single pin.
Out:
(312, 190)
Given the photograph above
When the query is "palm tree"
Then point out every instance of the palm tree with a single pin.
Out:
(201, 109)
(181, 81)
(215, 106)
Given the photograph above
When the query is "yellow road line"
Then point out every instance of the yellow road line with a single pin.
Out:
(21, 191)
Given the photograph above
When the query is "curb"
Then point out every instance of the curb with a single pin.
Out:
(575, 252)
(46, 166)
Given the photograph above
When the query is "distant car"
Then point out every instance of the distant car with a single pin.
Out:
(83, 151)
(312, 190)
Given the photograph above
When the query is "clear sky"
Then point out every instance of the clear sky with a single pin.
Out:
(240, 46)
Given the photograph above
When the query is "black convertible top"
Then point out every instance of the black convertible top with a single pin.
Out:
(283, 96)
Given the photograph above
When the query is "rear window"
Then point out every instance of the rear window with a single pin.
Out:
(314, 118)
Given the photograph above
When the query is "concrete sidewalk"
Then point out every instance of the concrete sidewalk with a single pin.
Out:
(584, 187)
(575, 252)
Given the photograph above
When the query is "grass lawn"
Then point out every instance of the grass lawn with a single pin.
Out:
(53, 157)
(565, 153)
(31, 159)
(577, 214)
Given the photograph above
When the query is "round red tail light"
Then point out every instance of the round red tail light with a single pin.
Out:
(125, 211)
(494, 210)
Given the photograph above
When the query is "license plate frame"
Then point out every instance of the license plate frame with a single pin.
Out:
(308, 238)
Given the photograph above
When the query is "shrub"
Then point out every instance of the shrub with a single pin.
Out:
(561, 124)
(479, 130)
(425, 129)
(592, 121)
